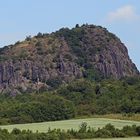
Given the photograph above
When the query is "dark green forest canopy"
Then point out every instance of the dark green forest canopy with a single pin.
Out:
(78, 98)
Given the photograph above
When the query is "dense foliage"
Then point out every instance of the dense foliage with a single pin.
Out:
(107, 96)
(109, 131)
(78, 98)
(35, 108)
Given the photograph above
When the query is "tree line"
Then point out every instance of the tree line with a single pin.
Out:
(108, 131)
(78, 98)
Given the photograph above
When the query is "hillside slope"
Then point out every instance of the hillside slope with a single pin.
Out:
(48, 60)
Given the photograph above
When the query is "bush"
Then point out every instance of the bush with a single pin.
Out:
(138, 130)
(103, 133)
(54, 82)
(130, 130)
(28, 38)
(83, 127)
(58, 134)
(16, 131)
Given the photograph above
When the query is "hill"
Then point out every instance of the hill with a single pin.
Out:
(45, 61)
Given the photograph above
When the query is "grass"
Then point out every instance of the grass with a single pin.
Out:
(69, 124)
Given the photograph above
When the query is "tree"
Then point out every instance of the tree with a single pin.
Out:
(39, 35)
(16, 131)
(83, 127)
(28, 38)
(77, 26)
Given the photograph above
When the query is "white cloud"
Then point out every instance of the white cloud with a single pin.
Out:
(125, 13)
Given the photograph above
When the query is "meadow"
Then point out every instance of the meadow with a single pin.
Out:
(69, 124)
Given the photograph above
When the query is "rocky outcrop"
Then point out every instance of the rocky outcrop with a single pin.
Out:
(44, 61)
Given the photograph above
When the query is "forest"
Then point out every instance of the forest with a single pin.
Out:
(76, 99)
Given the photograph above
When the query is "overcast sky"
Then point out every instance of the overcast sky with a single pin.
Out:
(19, 19)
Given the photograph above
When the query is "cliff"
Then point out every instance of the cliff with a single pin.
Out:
(48, 60)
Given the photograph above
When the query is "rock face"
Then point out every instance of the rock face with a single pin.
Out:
(48, 60)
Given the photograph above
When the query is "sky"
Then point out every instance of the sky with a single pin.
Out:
(19, 19)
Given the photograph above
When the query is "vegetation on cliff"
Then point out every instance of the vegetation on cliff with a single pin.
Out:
(46, 61)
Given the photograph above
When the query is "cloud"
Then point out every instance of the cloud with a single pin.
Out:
(125, 13)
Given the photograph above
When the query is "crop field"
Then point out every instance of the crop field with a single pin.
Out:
(69, 124)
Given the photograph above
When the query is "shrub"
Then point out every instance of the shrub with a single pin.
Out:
(103, 133)
(83, 127)
(16, 131)
(28, 38)
(130, 130)
(138, 130)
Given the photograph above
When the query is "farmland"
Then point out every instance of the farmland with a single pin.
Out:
(69, 124)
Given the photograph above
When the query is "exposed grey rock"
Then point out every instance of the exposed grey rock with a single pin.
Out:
(27, 66)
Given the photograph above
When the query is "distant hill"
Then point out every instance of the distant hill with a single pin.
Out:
(46, 61)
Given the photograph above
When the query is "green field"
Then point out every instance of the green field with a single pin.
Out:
(68, 124)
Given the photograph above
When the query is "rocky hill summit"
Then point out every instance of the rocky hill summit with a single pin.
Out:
(45, 61)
